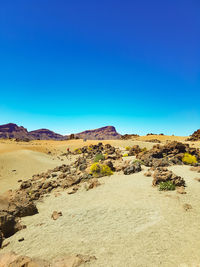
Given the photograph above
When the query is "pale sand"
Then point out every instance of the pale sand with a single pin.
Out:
(28, 158)
(123, 222)
(22, 164)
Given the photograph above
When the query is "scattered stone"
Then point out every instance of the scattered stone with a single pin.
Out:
(187, 207)
(73, 261)
(148, 174)
(57, 194)
(55, 215)
(11, 259)
(93, 183)
(72, 190)
(180, 190)
(196, 169)
(5, 244)
(21, 239)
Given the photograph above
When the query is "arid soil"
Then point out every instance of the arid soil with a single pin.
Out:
(122, 222)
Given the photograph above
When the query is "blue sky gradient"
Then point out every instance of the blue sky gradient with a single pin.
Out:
(75, 65)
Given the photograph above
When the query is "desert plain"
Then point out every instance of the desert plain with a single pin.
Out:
(119, 220)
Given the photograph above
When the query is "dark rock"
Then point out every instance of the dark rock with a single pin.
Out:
(25, 184)
(163, 175)
(133, 168)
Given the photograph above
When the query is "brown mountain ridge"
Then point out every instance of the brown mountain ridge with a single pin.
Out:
(14, 131)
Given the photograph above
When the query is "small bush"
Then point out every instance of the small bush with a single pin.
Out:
(99, 170)
(125, 155)
(127, 148)
(144, 149)
(166, 186)
(99, 157)
(77, 151)
(189, 159)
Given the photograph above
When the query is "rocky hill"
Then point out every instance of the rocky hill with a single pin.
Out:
(12, 130)
(104, 133)
(45, 134)
(195, 136)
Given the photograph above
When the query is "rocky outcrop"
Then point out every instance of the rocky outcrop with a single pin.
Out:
(169, 154)
(12, 130)
(45, 134)
(15, 260)
(104, 133)
(195, 136)
(133, 168)
(13, 206)
(12, 259)
(164, 175)
(128, 136)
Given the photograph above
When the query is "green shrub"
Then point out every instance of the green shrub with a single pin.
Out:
(99, 170)
(189, 159)
(166, 186)
(127, 148)
(99, 157)
(125, 155)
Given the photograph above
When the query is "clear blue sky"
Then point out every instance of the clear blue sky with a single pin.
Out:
(75, 65)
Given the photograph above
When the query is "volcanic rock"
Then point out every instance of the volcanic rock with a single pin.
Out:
(133, 168)
(104, 133)
(195, 136)
(12, 130)
(45, 134)
(55, 215)
(163, 175)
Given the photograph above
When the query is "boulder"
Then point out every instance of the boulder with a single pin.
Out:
(163, 175)
(133, 168)
(55, 215)
(11, 259)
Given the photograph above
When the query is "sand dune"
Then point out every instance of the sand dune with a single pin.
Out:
(22, 164)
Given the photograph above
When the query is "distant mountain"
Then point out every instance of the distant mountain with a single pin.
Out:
(45, 134)
(12, 130)
(104, 133)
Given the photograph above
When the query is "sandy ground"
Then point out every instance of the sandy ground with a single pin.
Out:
(22, 164)
(123, 222)
(20, 160)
